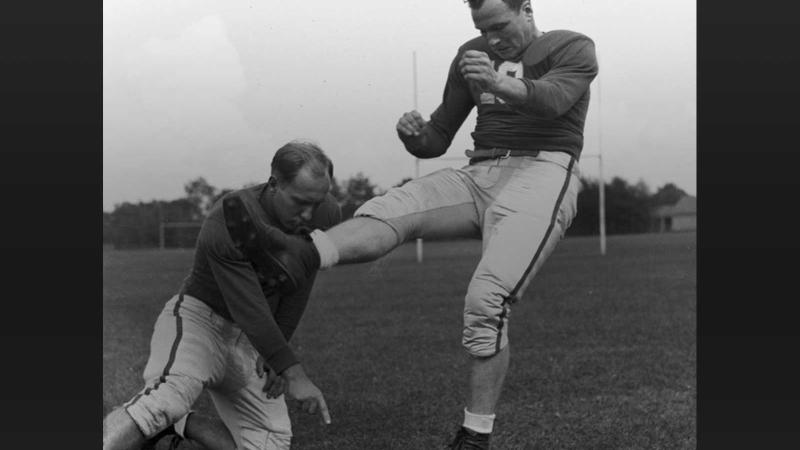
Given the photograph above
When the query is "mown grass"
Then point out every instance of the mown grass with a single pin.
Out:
(603, 347)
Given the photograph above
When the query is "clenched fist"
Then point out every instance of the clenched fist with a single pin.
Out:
(411, 124)
(476, 67)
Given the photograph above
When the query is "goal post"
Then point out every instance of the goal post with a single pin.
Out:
(416, 160)
(601, 185)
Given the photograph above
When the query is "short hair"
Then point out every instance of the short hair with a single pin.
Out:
(515, 5)
(295, 155)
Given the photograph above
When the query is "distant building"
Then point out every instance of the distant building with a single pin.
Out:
(682, 216)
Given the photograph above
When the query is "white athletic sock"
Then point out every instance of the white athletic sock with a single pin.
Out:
(328, 254)
(482, 423)
(180, 425)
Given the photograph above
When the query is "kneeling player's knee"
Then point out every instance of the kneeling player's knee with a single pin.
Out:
(164, 402)
(279, 441)
(266, 440)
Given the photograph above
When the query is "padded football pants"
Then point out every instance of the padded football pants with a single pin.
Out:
(520, 206)
(193, 348)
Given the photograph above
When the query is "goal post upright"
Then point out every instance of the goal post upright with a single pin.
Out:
(601, 199)
(416, 160)
(600, 171)
(602, 205)
(601, 182)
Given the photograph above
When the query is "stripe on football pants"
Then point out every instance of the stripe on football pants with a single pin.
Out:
(536, 255)
(172, 353)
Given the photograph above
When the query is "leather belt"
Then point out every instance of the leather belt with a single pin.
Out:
(481, 154)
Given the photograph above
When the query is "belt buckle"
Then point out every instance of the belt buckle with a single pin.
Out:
(507, 155)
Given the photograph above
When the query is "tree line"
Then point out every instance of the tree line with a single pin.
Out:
(629, 209)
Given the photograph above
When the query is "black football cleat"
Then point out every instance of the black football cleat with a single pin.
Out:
(168, 433)
(467, 439)
(283, 260)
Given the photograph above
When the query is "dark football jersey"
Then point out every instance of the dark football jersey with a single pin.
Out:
(556, 68)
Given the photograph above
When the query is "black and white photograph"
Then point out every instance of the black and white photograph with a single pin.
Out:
(449, 224)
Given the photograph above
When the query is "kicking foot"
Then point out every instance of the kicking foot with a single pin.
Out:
(284, 260)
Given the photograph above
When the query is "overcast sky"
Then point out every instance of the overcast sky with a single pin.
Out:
(213, 87)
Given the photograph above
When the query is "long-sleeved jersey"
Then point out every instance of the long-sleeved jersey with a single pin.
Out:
(556, 68)
(225, 280)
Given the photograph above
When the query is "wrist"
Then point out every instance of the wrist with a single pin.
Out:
(413, 144)
(293, 372)
(496, 86)
(510, 89)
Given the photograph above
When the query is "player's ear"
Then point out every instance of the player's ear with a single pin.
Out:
(272, 183)
(527, 9)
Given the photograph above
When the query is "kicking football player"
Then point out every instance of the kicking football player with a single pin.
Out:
(227, 330)
(518, 193)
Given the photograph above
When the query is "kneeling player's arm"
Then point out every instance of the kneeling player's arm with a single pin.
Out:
(250, 310)
(291, 309)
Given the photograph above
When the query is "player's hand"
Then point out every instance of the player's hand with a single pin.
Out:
(274, 385)
(300, 388)
(476, 67)
(410, 124)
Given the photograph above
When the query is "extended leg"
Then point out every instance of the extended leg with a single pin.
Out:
(434, 206)
(362, 239)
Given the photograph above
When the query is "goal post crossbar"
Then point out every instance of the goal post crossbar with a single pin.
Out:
(162, 227)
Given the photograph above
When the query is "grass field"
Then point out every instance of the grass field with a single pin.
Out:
(602, 347)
